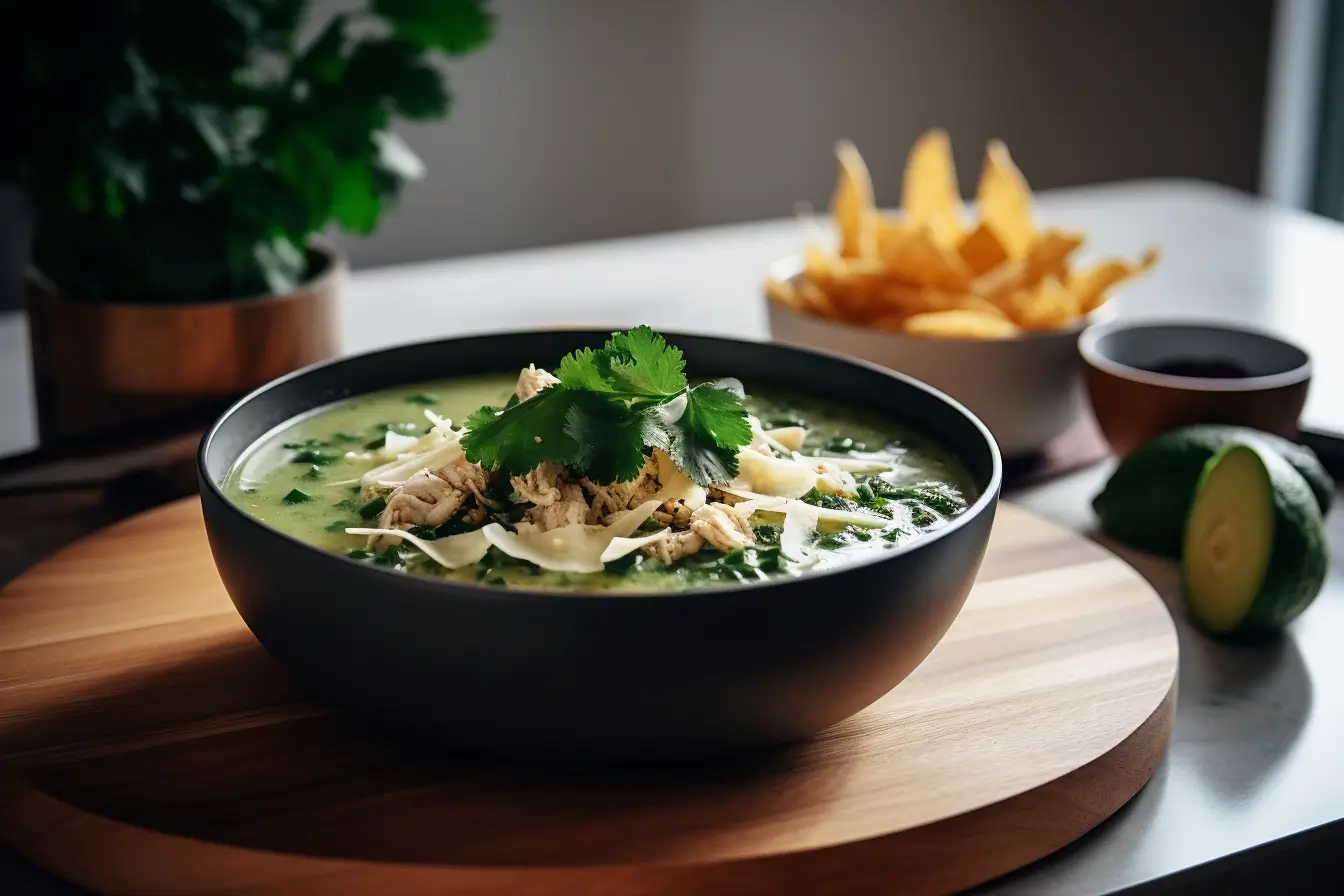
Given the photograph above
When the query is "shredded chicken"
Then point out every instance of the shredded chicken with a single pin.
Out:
(558, 502)
(724, 527)
(371, 490)
(532, 380)
(478, 512)
(433, 497)
(609, 499)
(675, 546)
(542, 485)
(717, 495)
(570, 509)
(675, 514)
(432, 452)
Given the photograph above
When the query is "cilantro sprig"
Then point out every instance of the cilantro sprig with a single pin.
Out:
(610, 407)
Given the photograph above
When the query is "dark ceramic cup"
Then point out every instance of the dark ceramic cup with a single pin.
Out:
(1145, 378)
(593, 677)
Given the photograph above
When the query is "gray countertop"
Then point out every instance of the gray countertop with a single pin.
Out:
(1224, 255)
(1255, 755)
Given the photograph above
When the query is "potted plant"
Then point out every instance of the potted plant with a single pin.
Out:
(181, 161)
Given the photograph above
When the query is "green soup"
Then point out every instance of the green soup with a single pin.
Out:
(301, 479)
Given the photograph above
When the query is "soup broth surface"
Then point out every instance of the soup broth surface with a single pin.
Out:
(302, 480)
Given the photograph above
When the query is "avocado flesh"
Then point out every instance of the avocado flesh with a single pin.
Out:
(1254, 555)
(1228, 540)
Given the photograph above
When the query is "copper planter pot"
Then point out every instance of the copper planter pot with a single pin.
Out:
(107, 366)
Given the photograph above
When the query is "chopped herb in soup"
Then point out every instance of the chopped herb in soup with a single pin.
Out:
(610, 471)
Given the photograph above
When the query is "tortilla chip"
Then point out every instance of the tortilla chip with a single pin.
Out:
(960, 325)
(930, 196)
(823, 267)
(1049, 253)
(819, 265)
(1005, 200)
(1049, 305)
(1092, 285)
(907, 299)
(982, 250)
(914, 256)
(1047, 256)
(1001, 282)
(891, 235)
(923, 271)
(850, 284)
(816, 301)
(852, 204)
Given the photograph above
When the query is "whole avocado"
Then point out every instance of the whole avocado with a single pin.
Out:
(1145, 502)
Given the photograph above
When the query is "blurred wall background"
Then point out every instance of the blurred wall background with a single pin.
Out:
(596, 118)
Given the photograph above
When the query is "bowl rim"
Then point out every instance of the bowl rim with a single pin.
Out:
(1088, 349)
(985, 502)
(790, 267)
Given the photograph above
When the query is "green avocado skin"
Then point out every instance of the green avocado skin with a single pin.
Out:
(1146, 500)
(1299, 558)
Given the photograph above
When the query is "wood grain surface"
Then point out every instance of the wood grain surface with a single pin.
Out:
(151, 745)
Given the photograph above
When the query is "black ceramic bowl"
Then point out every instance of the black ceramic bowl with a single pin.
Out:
(593, 677)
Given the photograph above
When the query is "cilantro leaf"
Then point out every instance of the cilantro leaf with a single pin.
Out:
(524, 436)
(611, 406)
(611, 437)
(703, 461)
(584, 369)
(720, 413)
(658, 434)
(706, 437)
(641, 362)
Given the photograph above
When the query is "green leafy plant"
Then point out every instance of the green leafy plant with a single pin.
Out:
(187, 150)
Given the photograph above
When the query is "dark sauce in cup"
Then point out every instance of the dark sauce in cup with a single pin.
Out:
(1206, 368)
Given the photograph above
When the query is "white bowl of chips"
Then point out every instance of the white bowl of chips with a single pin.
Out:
(988, 312)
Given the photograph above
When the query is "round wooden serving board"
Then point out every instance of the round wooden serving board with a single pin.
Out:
(153, 746)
